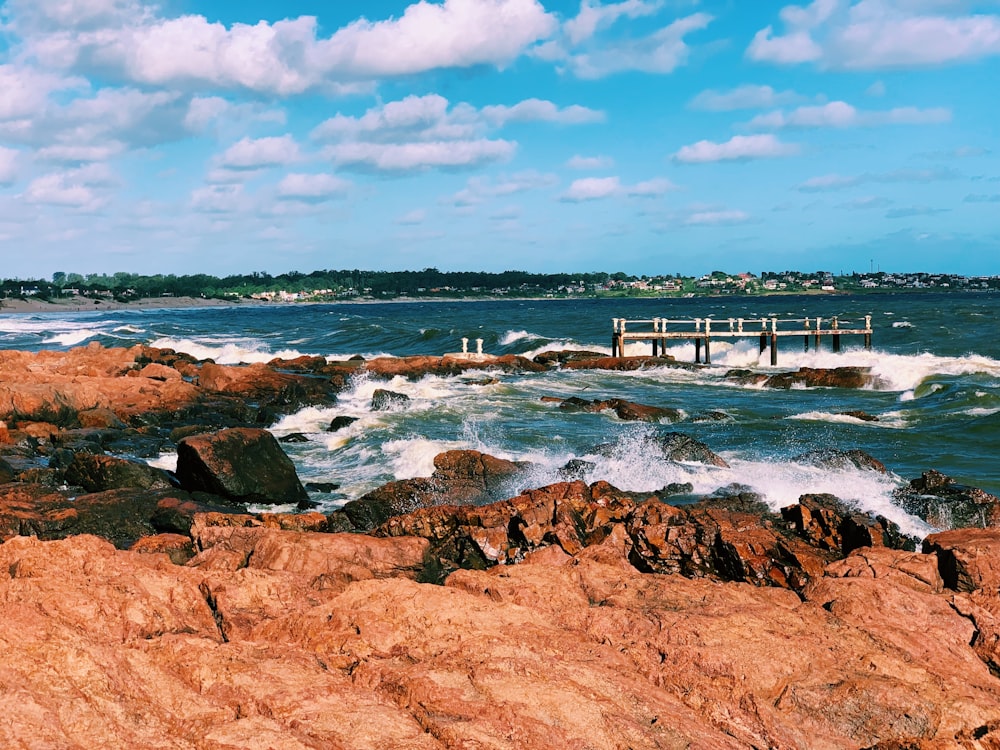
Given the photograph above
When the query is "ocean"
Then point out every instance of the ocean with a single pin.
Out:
(936, 355)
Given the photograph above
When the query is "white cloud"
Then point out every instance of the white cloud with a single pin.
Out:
(76, 188)
(595, 188)
(591, 188)
(742, 97)
(840, 114)
(661, 52)
(421, 155)
(26, 90)
(9, 158)
(875, 34)
(313, 188)
(590, 162)
(256, 153)
(431, 117)
(737, 148)
(419, 132)
(717, 218)
(593, 17)
(539, 110)
(284, 57)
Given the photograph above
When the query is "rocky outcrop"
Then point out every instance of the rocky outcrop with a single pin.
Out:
(281, 639)
(242, 464)
(97, 472)
(461, 477)
(836, 458)
(628, 411)
(385, 400)
(946, 504)
(419, 366)
(807, 377)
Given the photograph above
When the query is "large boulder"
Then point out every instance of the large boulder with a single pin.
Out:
(242, 464)
(628, 411)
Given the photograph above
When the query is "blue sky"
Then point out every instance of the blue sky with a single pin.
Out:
(646, 136)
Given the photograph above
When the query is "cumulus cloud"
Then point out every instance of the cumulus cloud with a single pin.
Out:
(219, 199)
(737, 148)
(595, 188)
(79, 189)
(875, 34)
(594, 16)
(840, 114)
(420, 132)
(742, 97)
(401, 157)
(311, 188)
(257, 153)
(284, 57)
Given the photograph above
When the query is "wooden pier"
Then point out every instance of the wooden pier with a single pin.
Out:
(703, 330)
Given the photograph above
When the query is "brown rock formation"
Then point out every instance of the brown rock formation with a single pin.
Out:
(281, 639)
(628, 411)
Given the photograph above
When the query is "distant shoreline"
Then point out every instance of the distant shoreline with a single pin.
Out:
(18, 306)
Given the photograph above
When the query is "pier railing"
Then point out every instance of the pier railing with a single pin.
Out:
(703, 330)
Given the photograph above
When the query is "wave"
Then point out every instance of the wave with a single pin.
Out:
(72, 338)
(884, 421)
(902, 324)
(234, 352)
(512, 337)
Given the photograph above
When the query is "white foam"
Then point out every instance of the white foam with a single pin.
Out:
(902, 324)
(822, 416)
(226, 352)
(72, 338)
(979, 411)
(511, 337)
(166, 461)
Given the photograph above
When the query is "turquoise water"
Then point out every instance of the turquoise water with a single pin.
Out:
(937, 357)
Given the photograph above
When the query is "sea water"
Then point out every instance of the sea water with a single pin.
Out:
(936, 357)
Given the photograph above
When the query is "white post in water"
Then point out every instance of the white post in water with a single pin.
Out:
(868, 332)
(479, 347)
(465, 345)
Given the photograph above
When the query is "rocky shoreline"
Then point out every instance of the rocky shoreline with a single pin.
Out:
(147, 608)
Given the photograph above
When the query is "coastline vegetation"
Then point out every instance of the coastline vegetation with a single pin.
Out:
(431, 283)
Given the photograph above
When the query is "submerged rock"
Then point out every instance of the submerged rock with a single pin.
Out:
(628, 411)
(384, 400)
(340, 422)
(835, 458)
(945, 504)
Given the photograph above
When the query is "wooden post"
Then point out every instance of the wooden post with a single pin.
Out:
(818, 320)
(868, 334)
(708, 351)
(763, 336)
(805, 339)
(774, 342)
(697, 350)
(614, 337)
(836, 336)
(656, 329)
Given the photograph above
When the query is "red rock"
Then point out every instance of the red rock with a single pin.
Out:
(177, 547)
(969, 559)
(836, 377)
(617, 363)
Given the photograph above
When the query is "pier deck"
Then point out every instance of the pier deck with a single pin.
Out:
(703, 330)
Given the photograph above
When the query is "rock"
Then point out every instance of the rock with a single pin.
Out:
(177, 547)
(828, 523)
(676, 488)
(837, 377)
(553, 357)
(461, 477)
(156, 371)
(945, 504)
(576, 468)
(101, 418)
(712, 416)
(340, 422)
(833, 458)
(968, 559)
(384, 400)
(858, 414)
(241, 464)
(7, 472)
(626, 410)
(98, 472)
(676, 446)
(293, 437)
(321, 486)
(620, 364)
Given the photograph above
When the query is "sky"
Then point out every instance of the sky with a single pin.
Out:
(644, 136)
